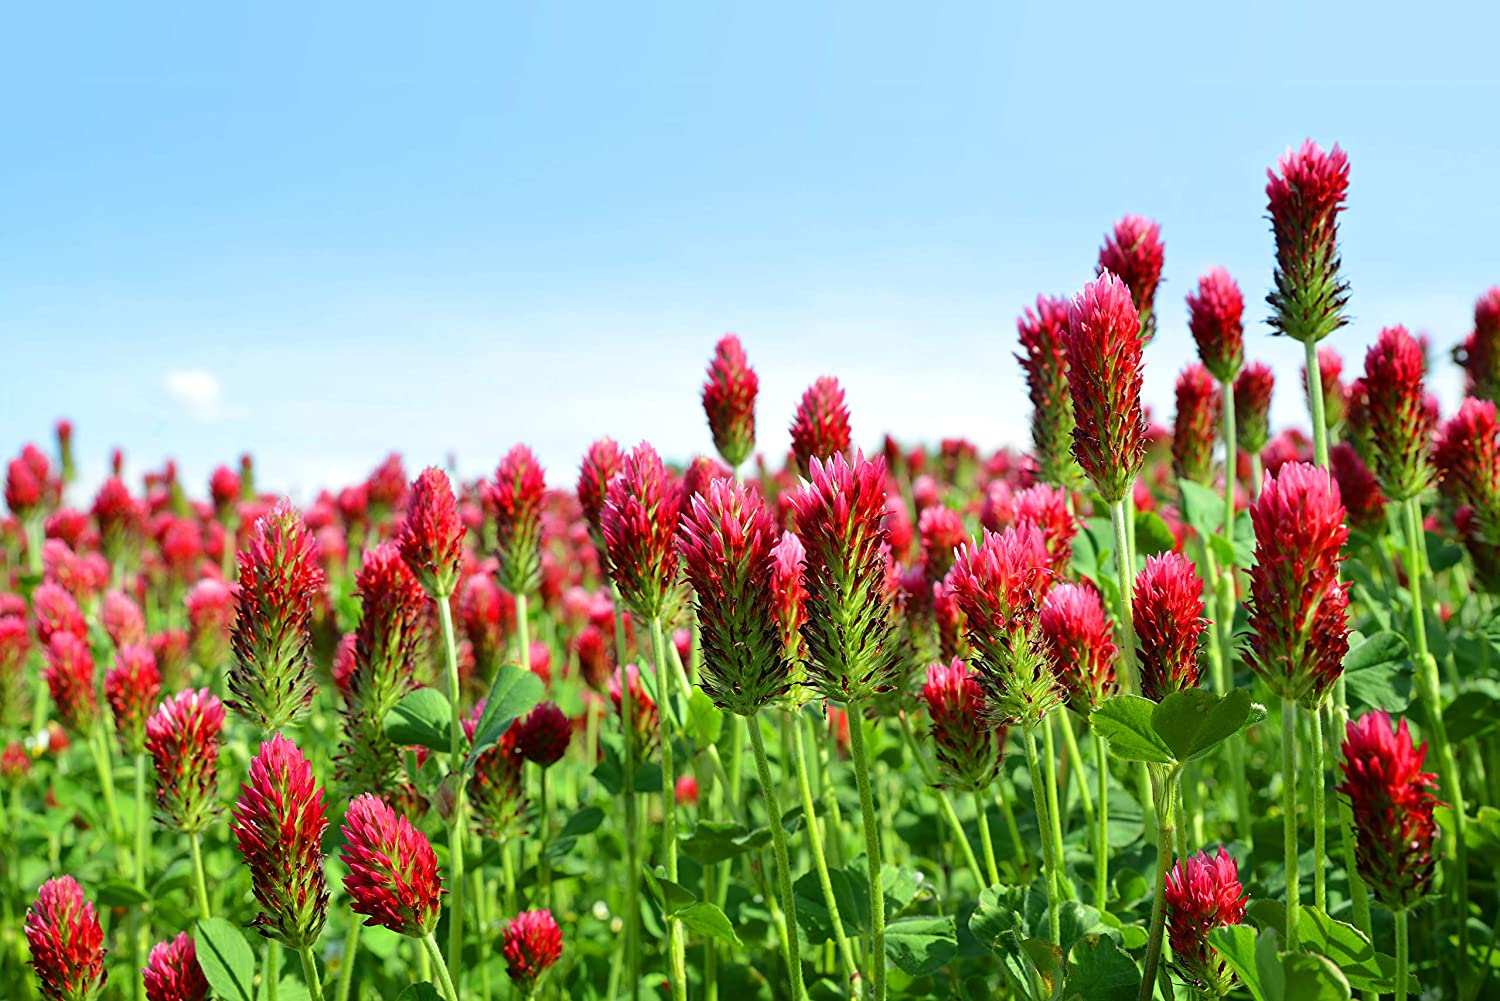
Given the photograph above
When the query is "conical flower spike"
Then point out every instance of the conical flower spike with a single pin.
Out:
(1402, 419)
(1169, 623)
(431, 539)
(393, 872)
(729, 401)
(820, 429)
(67, 944)
(1104, 378)
(1196, 426)
(1044, 359)
(1216, 314)
(1203, 892)
(1306, 193)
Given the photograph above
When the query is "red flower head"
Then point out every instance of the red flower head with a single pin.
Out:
(431, 539)
(393, 872)
(123, 619)
(1298, 609)
(1196, 427)
(789, 592)
(386, 488)
(497, 796)
(543, 735)
(727, 540)
(1216, 317)
(600, 464)
(1046, 508)
(70, 679)
(531, 943)
(1104, 377)
(210, 609)
(15, 647)
(1305, 199)
(67, 944)
(729, 401)
(172, 972)
(1044, 359)
(1133, 251)
(1335, 395)
(850, 627)
(820, 429)
(595, 656)
(1080, 638)
(71, 526)
(968, 744)
(999, 586)
(1203, 893)
(122, 521)
(516, 497)
(1468, 458)
(686, 792)
(1401, 417)
(643, 717)
(639, 520)
(182, 737)
(15, 763)
(56, 612)
(131, 689)
(700, 473)
(1357, 487)
(486, 615)
(1168, 624)
(26, 483)
(941, 531)
(270, 679)
(181, 544)
(1392, 799)
(1480, 352)
(224, 488)
(1252, 408)
(279, 823)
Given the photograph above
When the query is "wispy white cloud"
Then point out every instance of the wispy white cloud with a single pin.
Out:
(196, 389)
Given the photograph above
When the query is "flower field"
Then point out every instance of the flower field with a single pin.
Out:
(1136, 712)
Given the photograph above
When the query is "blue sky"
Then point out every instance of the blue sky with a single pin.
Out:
(324, 231)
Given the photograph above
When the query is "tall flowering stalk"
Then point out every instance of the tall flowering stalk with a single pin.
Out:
(531, 944)
(172, 972)
(1203, 892)
(639, 521)
(542, 738)
(67, 943)
(1402, 425)
(1392, 800)
(393, 877)
(1000, 585)
(1194, 426)
(1298, 626)
(279, 823)
(729, 401)
(1133, 251)
(1044, 359)
(430, 542)
(1169, 623)
(71, 678)
(1109, 441)
(131, 690)
(820, 428)
(850, 628)
(968, 745)
(726, 540)
(183, 738)
(1480, 352)
(270, 679)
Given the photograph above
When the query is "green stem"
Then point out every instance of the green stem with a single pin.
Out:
(310, 973)
(273, 970)
(945, 805)
(1017, 843)
(820, 862)
(632, 822)
(103, 762)
(523, 632)
(1124, 565)
(1054, 808)
(1231, 460)
(456, 882)
(1039, 797)
(544, 835)
(142, 822)
(783, 865)
(445, 979)
(346, 968)
(1165, 796)
(1315, 404)
(1402, 959)
(1359, 894)
(1101, 844)
(1429, 688)
(676, 950)
(872, 848)
(1075, 759)
(200, 885)
(1289, 816)
(985, 839)
(1319, 814)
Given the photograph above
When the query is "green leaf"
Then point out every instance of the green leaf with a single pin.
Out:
(423, 718)
(705, 720)
(720, 840)
(1312, 978)
(420, 992)
(1350, 951)
(1193, 721)
(1152, 536)
(670, 897)
(1076, 920)
(119, 893)
(1046, 958)
(1202, 508)
(1125, 721)
(707, 919)
(514, 693)
(1099, 970)
(1223, 550)
(585, 821)
(921, 945)
(1237, 945)
(1377, 674)
(226, 958)
(1475, 712)
(995, 917)
(812, 909)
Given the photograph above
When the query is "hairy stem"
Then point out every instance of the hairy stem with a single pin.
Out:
(455, 768)
(872, 848)
(1049, 863)
(783, 866)
(1289, 816)
(676, 948)
(1164, 788)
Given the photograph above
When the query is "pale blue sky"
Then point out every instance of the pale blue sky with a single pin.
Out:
(322, 231)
